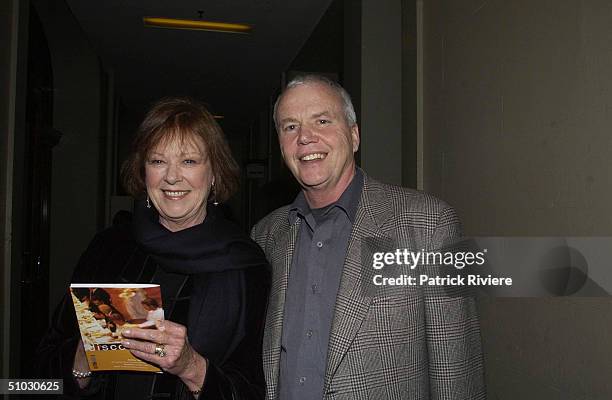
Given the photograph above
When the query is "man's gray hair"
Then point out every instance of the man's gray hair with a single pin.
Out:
(347, 104)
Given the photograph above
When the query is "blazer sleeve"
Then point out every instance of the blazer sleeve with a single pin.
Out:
(452, 329)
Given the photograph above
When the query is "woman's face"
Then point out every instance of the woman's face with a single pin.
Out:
(179, 179)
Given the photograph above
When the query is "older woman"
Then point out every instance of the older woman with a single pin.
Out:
(214, 280)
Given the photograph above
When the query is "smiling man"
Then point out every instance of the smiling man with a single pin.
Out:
(326, 336)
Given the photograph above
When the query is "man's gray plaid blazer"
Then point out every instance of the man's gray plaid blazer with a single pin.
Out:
(408, 346)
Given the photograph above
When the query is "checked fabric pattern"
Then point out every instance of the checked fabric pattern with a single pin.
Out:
(408, 343)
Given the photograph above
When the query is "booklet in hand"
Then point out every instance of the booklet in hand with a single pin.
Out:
(104, 311)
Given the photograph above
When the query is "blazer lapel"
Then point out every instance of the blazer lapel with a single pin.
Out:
(353, 301)
(280, 258)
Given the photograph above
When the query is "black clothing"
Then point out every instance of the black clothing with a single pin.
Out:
(218, 281)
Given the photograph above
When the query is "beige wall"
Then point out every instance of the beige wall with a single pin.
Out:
(8, 36)
(12, 123)
(517, 137)
(381, 89)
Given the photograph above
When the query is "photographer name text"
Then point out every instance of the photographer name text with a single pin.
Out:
(448, 280)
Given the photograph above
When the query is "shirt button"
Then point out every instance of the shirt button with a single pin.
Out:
(309, 333)
(314, 288)
(319, 244)
(302, 380)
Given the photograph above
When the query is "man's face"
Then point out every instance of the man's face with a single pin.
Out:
(315, 138)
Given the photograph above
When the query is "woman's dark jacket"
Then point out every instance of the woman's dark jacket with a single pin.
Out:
(221, 300)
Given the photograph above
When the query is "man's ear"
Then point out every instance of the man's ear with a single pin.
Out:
(355, 137)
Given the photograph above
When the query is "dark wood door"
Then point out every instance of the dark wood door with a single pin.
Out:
(37, 162)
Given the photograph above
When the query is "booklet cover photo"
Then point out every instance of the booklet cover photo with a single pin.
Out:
(103, 311)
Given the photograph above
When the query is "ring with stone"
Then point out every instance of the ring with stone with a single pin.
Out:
(160, 350)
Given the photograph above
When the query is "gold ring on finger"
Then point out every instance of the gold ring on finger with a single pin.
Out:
(160, 350)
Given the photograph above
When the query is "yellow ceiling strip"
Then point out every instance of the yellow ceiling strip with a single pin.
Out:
(196, 25)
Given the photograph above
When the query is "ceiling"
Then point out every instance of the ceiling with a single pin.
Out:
(233, 73)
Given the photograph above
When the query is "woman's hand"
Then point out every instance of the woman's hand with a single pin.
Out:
(80, 364)
(177, 357)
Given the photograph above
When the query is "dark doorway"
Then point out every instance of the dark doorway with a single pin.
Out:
(40, 139)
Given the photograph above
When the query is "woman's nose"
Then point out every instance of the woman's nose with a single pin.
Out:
(173, 174)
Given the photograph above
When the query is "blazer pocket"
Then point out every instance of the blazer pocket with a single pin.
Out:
(405, 299)
(399, 317)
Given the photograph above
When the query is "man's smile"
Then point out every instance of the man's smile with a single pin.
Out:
(313, 156)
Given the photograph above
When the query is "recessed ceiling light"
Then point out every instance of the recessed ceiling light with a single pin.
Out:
(195, 24)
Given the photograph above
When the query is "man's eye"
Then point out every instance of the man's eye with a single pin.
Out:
(290, 127)
(323, 121)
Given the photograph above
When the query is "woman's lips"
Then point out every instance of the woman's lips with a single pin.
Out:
(175, 194)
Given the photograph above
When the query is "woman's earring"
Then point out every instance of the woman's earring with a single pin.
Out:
(148, 202)
(214, 194)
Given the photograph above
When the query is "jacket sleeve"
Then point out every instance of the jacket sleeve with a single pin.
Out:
(55, 353)
(452, 329)
(240, 377)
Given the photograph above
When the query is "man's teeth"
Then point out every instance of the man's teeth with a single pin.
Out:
(175, 194)
(315, 156)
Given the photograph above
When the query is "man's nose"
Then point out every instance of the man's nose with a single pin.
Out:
(306, 135)
(173, 173)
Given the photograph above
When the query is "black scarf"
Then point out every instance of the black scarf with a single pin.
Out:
(215, 253)
(215, 245)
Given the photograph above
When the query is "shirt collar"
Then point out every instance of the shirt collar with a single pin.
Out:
(348, 201)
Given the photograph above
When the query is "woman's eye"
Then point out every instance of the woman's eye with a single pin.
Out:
(189, 161)
(155, 161)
